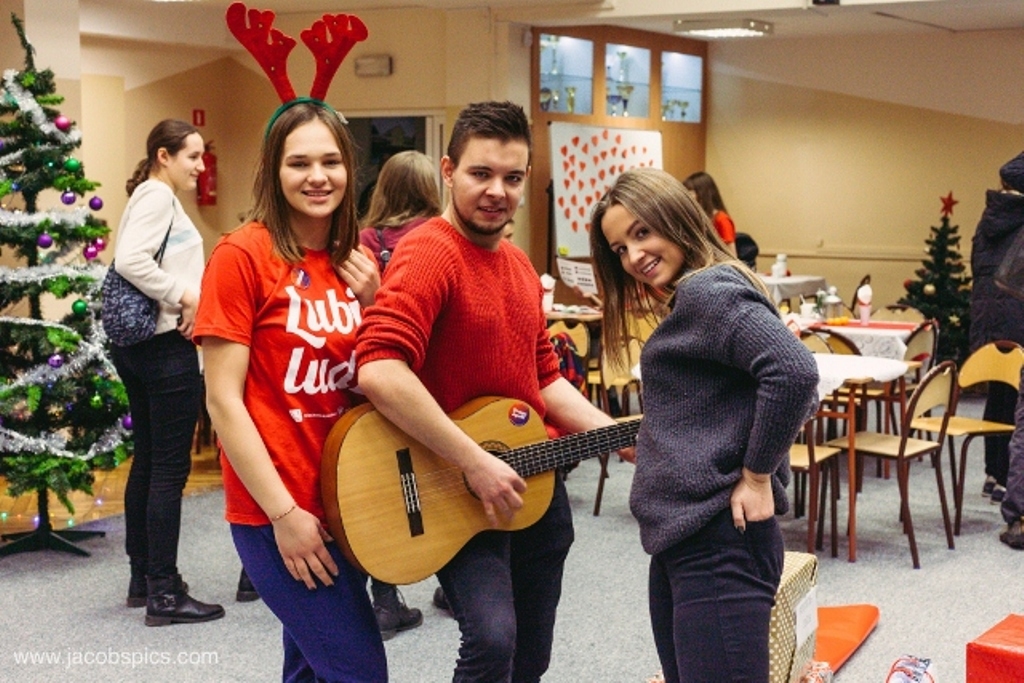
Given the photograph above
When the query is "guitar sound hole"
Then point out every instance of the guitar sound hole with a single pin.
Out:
(492, 447)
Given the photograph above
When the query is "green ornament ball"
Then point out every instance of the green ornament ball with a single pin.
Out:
(96, 401)
(80, 307)
(72, 164)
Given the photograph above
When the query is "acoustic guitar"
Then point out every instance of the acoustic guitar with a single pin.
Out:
(400, 512)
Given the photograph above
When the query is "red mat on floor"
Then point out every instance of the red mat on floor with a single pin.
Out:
(841, 630)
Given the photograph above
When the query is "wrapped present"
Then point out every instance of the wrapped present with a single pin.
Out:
(998, 653)
(794, 619)
(817, 672)
(911, 669)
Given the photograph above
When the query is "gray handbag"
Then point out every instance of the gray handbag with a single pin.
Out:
(1010, 274)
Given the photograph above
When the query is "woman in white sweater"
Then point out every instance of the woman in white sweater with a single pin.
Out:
(161, 374)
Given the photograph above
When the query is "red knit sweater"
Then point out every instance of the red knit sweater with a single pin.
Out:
(468, 321)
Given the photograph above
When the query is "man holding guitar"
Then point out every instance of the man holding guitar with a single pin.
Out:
(459, 317)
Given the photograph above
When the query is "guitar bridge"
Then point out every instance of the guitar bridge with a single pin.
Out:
(410, 492)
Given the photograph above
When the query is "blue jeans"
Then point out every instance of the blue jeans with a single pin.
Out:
(711, 597)
(330, 633)
(161, 377)
(504, 588)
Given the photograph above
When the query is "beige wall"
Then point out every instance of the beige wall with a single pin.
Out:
(836, 151)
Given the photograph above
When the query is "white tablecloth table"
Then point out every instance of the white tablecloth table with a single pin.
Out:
(834, 371)
(881, 339)
(793, 286)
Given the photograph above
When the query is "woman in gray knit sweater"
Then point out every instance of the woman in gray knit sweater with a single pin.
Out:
(726, 388)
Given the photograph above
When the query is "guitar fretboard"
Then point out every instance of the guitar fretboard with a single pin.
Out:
(567, 450)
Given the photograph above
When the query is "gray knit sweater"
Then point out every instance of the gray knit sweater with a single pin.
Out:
(725, 385)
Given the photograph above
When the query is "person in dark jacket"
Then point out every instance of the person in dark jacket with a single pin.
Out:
(994, 313)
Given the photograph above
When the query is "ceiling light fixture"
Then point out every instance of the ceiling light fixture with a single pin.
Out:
(734, 28)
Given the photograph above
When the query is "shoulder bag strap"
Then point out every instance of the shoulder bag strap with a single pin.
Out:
(159, 256)
(385, 253)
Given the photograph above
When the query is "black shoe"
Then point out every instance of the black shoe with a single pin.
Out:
(137, 591)
(246, 591)
(1013, 536)
(997, 495)
(167, 603)
(393, 615)
(441, 600)
(990, 483)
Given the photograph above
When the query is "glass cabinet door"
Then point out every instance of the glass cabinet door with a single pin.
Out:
(628, 80)
(681, 85)
(566, 74)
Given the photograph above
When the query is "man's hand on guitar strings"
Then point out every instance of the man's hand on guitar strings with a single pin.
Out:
(301, 541)
(497, 486)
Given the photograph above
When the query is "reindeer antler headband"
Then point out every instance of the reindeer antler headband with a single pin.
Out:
(330, 39)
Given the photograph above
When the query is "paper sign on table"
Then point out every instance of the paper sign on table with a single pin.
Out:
(576, 274)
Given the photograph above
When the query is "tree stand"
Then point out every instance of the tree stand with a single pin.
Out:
(45, 537)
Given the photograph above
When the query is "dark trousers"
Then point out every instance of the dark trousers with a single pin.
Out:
(1013, 504)
(504, 588)
(330, 633)
(161, 376)
(999, 407)
(711, 597)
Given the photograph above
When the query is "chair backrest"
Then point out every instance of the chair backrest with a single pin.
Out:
(815, 342)
(938, 389)
(998, 361)
(620, 374)
(923, 343)
(898, 313)
(841, 344)
(578, 333)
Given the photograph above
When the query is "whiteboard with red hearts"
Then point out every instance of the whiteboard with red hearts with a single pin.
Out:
(585, 160)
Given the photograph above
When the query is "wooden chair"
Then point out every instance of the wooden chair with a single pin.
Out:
(938, 390)
(578, 333)
(866, 280)
(999, 361)
(922, 346)
(815, 342)
(898, 313)
(810, 460)
(618, 376)
(840, 343)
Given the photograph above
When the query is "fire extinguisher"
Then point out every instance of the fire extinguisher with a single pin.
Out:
(206, 186)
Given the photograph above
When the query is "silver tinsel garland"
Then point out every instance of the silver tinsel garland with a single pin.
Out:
(27, 104)
(65, 221)
(54, 444)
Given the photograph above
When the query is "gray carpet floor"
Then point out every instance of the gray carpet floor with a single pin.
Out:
(68, 612)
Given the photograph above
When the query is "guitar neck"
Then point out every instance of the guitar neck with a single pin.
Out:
(567, 450)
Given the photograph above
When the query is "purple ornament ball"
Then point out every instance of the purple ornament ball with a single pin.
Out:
(44, 241)
(56, 360)
(95, 203)
(62, 122)
(99, 243)
(90, 252)
(126, 421)
(68, 197)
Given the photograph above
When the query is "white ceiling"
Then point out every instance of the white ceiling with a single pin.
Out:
(128, 19)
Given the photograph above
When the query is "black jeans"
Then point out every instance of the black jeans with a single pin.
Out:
(711, 597)
(999, 407)
(161, 376)
(504, 588)
(1013, 503)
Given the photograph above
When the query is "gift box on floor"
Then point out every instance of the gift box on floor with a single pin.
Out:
(794, 619)
(998, 653)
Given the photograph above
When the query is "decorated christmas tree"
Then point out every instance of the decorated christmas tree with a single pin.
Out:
(942, 291)
(63, 412)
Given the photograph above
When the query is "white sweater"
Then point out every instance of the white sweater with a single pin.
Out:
(150, 211)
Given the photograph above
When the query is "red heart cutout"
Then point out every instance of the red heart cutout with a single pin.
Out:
(566, 181)
(561, 200)
(575, 140)
(618, 139)
(572, 200)
(594, 140)
(567, 214)
(565, 150)
(604, 133)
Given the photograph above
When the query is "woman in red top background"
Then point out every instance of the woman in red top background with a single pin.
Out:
(703, 188)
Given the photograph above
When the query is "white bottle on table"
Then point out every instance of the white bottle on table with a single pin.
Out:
(780, 267)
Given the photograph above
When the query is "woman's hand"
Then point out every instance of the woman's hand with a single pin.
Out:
(360, 273)
(300, 540)
(187, 318)
(752, 499)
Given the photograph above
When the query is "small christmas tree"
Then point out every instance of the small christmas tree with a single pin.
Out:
(942, 291)
(63, 411)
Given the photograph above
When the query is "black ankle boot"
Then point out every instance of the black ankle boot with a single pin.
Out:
(137, 589)
(393, 615)
(168, 603)
(246, 591)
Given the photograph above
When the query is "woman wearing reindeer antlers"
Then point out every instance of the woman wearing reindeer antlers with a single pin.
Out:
(282, 301)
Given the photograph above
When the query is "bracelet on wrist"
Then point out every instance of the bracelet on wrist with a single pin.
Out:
(285, 513)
